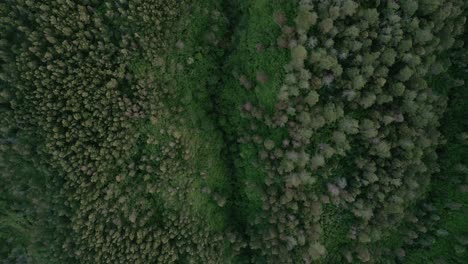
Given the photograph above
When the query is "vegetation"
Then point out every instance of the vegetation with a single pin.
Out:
(203, 131)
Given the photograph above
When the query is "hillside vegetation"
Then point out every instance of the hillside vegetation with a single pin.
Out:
(204, 131)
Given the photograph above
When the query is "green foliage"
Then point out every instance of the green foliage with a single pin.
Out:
(232, 132)
(373, 159)
(92, 83)
(305, 19)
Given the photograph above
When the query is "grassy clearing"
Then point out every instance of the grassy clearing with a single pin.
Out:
(191, 71)
(255, 27)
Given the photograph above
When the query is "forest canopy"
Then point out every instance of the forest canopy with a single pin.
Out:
(207, 131)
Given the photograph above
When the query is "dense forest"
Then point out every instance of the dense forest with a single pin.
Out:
(233, 131)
